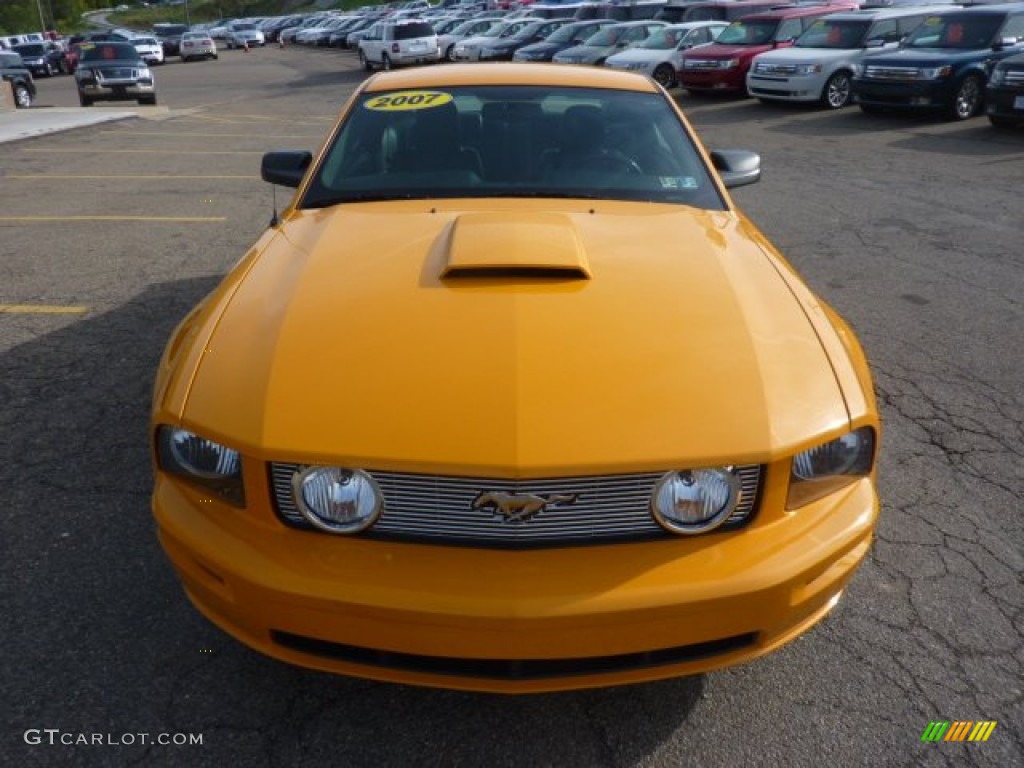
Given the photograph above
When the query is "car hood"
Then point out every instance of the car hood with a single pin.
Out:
(641, 55)
(715, 51)
(345, 343)
(809, 55)
(544, 47)
(588, 51)
(926, 57)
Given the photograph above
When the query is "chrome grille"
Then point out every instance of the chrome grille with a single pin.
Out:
(438, 508)
(774, 69)
(700, 64)
(875, 72)
(1014, 77)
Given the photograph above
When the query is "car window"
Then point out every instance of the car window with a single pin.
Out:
(789, 29)
(1014, 28)
(109, 52)
(958, 31)
(748, 33)
(829, 33)
(410, 31)
(512, 141)
(662, 40)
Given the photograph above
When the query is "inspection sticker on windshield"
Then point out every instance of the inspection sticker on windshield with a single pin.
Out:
(403, 100)
(678, 182)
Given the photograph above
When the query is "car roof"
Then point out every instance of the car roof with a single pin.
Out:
(791, 12)
(556, 75)
(874, 14)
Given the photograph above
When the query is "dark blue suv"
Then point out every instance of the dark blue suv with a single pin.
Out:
(943, 65)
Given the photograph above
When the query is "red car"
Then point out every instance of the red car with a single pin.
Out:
(723, 65)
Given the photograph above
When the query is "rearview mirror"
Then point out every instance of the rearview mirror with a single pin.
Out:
(737, 167)
(286, 167)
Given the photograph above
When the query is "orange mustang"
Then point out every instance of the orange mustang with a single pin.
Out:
(512, 398)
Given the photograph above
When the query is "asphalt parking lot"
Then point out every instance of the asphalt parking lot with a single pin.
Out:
(912, 228)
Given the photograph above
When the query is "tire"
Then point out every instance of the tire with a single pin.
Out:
(450, 53)
(50, 71)
(84, 100)
(385, 61)
(365, 62)
(149, 101)
(664, 75)
(837, 91)
(184, 59)
(22, 96)
(214, 57)
(967, 100)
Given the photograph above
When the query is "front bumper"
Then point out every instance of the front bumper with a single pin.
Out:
(117, 91)
(515, 621)
(927, 95)
(1005, 102)
(725, 80)
(793, 88)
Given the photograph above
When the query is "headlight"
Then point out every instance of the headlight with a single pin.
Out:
(826, 468)
(808, 69)
(997, 76)
(201, 461)
(695, 501)
(337, 500)
(934, 73)
(729, 64)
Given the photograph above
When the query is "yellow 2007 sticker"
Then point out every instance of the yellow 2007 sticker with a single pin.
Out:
(403, 100)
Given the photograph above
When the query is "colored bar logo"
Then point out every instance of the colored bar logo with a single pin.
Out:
(958, 730)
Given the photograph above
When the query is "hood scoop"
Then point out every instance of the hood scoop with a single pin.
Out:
(515, 244)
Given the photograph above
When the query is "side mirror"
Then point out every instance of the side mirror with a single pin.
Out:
(874, 42)
(737, 167)
(1006, 42)
(286, 167)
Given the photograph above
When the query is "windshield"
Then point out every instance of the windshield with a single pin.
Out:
(243, 27)
(748, 33)
(663, 39)
(607, 36)
(955, 31)
(109, 52)
(31, 49)
(145, 41)
(564, 34)
(834, 34)
(512, 141)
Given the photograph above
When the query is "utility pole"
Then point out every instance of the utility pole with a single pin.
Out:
(42, 21)
(188, 21)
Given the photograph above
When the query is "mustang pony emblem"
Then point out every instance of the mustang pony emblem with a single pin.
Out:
(518, 507)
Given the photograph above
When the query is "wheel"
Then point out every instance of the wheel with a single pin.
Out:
(184, 59)
(967, 100)
(214, 57)
(836, 93)
(84, 100)
(149, 101)
(664, 75)
(50, 71)
(385, 61)
(22, 96)
(364, 62)
(450, 53)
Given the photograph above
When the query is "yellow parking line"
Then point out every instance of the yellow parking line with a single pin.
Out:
(45, 176)
(40, 309)
(177, 219)
(147, 151)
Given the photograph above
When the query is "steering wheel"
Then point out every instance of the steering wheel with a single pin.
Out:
(611, 160)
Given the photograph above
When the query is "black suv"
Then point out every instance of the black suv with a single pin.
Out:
(113, 72)
(944, 64)
(42, 58)
(14, 71)
(1004, 97)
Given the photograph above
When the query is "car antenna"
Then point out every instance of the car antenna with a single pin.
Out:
(274, 219)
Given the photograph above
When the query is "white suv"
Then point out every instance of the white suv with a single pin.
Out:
(390, 44)
(819, 66)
